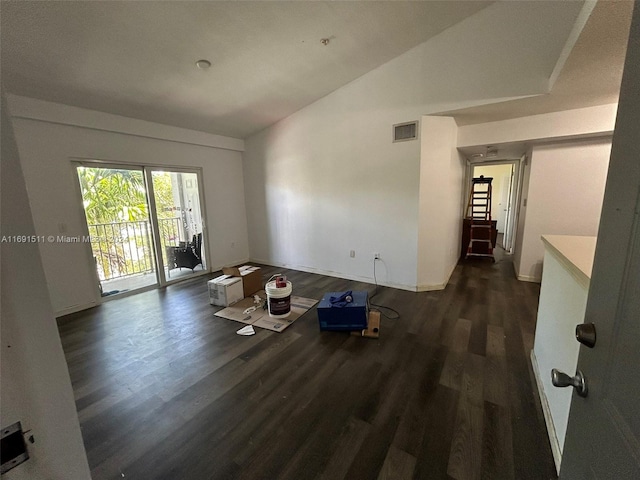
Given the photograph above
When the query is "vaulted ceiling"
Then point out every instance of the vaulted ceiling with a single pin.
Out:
(137, 59)
(590, 76)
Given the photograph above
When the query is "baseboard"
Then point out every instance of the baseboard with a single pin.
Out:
(439, 286)
(527, 278)
(551, 430)
(75, 309)
(219, 268)
(329, 273)
(430, 288)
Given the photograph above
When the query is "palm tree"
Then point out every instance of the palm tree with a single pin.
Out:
(115, 204)
(113, 195)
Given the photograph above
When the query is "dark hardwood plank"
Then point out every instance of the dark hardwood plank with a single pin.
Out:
(435, 448)
(164, 389)
(478, 335)
(345, 449)
(453, 370)
(497, 444)
(473, 379)
(398, 465)
(411, 430)
(460, 336)
(465, 458)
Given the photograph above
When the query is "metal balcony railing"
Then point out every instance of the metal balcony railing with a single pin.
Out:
(122, 249)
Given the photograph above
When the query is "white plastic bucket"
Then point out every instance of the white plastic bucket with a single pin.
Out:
(278, 299)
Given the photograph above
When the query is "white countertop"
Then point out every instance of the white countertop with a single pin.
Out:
(575, 253)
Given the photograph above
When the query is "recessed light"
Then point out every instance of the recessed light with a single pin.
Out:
(203, 64)
(477, 155)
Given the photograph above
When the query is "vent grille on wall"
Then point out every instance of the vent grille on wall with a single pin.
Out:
(405, 131)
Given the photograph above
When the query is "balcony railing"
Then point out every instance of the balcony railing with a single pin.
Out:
(122, 249)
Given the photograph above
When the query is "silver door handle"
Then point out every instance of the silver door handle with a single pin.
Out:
(561, 379)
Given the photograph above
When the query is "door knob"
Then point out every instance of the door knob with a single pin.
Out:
(561, 379)
(586, 334)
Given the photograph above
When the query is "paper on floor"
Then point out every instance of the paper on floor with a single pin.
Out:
(248, 330)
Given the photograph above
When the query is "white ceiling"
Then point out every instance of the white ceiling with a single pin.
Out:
(137, 59)
(591, 75)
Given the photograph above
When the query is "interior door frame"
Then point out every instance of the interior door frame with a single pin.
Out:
(514, 197)
(146, 169)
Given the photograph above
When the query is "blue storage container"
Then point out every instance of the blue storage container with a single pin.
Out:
(352, 316)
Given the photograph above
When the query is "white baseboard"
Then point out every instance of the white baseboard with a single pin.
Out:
(75, 309)
(551, 430)
(355, 278)
(430, 288)
(219, 268)
(527, 278)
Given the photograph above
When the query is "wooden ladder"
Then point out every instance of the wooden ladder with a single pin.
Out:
(479, 214)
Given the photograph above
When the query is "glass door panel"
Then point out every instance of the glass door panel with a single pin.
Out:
(118, 220)
(177, 203)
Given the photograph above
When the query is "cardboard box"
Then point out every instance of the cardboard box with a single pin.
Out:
(225, 290)
(353, 316)
(251, 278)
(373, 328)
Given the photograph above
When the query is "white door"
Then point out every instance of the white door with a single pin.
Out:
(603, 433)
(503, 202)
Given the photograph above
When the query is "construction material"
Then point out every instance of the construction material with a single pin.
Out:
(337, 312)
(278, 297)
(479, 215)
(225, 290)
(251, 278)
(373, 328)
(260, 318)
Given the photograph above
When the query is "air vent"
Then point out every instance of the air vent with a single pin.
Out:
(405, 131)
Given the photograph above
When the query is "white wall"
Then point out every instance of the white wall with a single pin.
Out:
(46, 149)
(568, 124)
(315, 192)
(562, 305)
(565, 192)
(36, 389)
(328, 179)
(442, 171)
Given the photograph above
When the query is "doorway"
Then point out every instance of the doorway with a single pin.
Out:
(505, 183)
(144, 224)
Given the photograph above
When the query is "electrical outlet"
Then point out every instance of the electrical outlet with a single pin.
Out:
(376, 256)
(352, 253)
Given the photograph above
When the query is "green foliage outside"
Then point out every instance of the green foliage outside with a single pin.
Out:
(115, 204)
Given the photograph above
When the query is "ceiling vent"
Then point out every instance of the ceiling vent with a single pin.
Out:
(405, 131)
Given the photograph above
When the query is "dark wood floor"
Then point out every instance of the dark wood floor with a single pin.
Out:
(165, 390)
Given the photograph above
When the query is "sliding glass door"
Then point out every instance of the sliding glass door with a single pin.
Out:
(116, 209)
(176, 197)
(145, 225)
